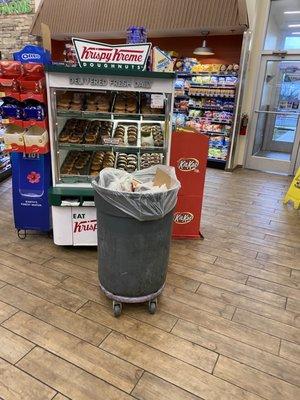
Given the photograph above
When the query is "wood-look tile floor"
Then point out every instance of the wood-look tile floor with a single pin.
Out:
(228, 321)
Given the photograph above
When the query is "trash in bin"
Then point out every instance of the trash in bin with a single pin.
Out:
(135, 215)
(145, 195)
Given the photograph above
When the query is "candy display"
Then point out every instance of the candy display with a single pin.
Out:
(214, 80)
(209, 92)
(205, 101)
(217, 103)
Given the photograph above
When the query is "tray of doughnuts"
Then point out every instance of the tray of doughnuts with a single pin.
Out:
(152, 135)
(98, 102)
(126, 133)
(71, 101)
(125, 103)
(127, 162)
(97, 163)
(76, 163)
(73, 131)
(149, 159)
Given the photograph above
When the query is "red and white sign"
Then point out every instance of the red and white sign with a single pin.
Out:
(183, 217)
(103, 55)
(188, 164)
(84, 222)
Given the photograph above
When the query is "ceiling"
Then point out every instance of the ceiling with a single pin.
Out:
(111, 18)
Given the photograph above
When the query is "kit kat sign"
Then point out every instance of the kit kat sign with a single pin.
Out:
(106, 56)
(188, 164)
(183, 217)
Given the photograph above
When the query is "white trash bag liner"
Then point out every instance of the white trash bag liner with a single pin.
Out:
(147, 202)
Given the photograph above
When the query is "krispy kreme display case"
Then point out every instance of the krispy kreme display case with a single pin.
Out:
(99, 118)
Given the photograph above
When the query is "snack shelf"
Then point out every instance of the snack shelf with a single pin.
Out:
(212, 108)
(211, 86)
(217, 160)
(211, 95)
(188, 74)
(212, 133)
(210, 121)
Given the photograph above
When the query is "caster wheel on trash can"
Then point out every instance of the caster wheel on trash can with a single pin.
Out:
(117, 307)
(152, 306)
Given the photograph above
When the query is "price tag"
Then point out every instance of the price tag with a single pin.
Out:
(157, 100)
(111, 141)
(2, 94)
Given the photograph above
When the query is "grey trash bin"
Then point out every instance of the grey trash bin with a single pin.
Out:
(133, 254)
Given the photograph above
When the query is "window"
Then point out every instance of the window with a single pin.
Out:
(283, 30)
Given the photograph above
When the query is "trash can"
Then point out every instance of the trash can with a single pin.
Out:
(134, 236)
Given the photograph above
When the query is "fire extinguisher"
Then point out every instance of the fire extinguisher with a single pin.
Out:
(244, 124)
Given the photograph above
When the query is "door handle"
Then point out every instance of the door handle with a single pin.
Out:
(277, 112)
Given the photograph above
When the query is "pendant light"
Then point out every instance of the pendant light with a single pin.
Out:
(204, 50)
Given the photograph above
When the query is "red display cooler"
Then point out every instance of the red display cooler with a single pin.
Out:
(189, 152)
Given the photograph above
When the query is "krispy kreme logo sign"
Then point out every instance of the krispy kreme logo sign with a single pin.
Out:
(183, 217)
(106, 56)
(84, 226)
(187, 164)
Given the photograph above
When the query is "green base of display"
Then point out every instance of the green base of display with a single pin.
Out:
(99, 71)
(58, 194)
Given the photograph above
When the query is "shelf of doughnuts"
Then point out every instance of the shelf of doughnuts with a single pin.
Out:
(110, 105)
(80, 131)
(81, 166)
(93, 134)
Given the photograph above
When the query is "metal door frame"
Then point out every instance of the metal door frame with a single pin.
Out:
(263, 163)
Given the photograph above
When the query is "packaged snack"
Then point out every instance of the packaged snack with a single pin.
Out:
(161, 61)
(11, 108)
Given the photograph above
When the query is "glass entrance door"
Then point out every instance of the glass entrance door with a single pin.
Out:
(276, 123)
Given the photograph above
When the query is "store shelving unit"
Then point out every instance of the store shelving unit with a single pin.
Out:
(72, 191)
(210, 108)
(5, 165)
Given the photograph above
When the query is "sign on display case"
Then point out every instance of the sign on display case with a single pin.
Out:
(107, 56)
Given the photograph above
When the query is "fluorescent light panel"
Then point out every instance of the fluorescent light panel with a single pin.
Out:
(295, 33)
(292, 12)
(294, 26)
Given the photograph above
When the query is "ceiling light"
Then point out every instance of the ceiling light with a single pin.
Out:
(295, 33)
(294, 26)
(292, 12)
(204, 50)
